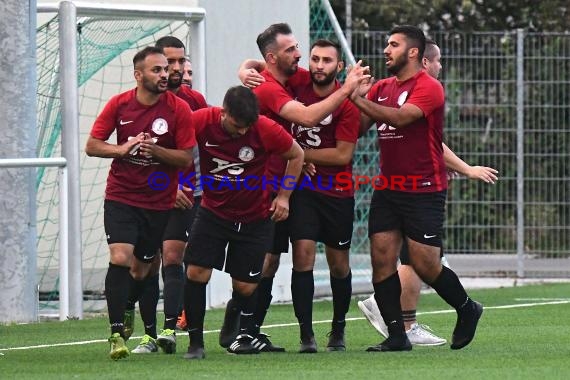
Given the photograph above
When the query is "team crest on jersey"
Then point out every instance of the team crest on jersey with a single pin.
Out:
(327, 120)
(246, 153)
(159, 126)
(402, 98)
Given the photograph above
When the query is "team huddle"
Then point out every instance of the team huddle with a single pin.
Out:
(286, 126)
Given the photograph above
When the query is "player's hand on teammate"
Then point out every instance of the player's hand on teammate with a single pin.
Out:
(309, 169)
(483, 173)
(279, 209)
(182, 201)
(250, 78)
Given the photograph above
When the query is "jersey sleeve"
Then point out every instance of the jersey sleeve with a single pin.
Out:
(185, 134)
(373, 92)
(200, 100)
(200, 120)
(428, 95)
(273, 96)
(349, 124)
(274, 137)
(104, 124)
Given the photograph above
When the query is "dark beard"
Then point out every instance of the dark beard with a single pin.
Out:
(152, 87)
(398, 65)
(328, 79)
(174, 84)
(289, 71)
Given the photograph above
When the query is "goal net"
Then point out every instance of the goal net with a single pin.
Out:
(106, 46)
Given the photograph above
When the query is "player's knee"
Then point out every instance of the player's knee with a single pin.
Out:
(173, 252)
(244, 288)
(198, 274)
(138, 275)
(172, 257)
(340, 270)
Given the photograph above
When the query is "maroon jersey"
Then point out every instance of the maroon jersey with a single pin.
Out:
(233, 168)
(196, 101)
(416, 149)
(343, 124)
(272, 96)
(169, 121)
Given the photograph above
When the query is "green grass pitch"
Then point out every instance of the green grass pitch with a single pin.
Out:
(524, 333)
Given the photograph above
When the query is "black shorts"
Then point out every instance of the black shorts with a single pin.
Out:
(323, 218)
(280, 237)
(140, 227)
(180, 222)
(419, 216)
(246, 245)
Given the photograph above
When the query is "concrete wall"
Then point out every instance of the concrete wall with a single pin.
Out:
(17, 185)
(231, 29)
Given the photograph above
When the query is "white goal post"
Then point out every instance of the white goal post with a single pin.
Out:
(72, 305)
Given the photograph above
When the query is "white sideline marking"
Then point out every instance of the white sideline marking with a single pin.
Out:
(542, 299)
(557, 301)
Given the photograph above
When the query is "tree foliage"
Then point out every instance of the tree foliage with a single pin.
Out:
(445, 15)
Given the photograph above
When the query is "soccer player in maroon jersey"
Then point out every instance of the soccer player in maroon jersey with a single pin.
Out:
(187, 202)
(281, 55)
(236, 210)
(320, 209)
(175, 234)
(154, 138)
(408, 109)
(420, 334)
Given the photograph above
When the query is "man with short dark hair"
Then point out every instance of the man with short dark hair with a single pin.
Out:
(154, 134)
(175, 234)
(409, 111)
(279, 73)
(321, 209)
(236, 211)
(419, 334)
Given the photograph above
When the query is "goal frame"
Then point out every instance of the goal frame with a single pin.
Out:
(70, 285)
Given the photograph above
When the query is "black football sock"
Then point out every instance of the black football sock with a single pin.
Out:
(448, 286)
(263, 300)
(247, 305)
(116, 292)
(302, 292)
(195, 308)
(148, 303)
(172, 292)
(341, 293)
(387, 295)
